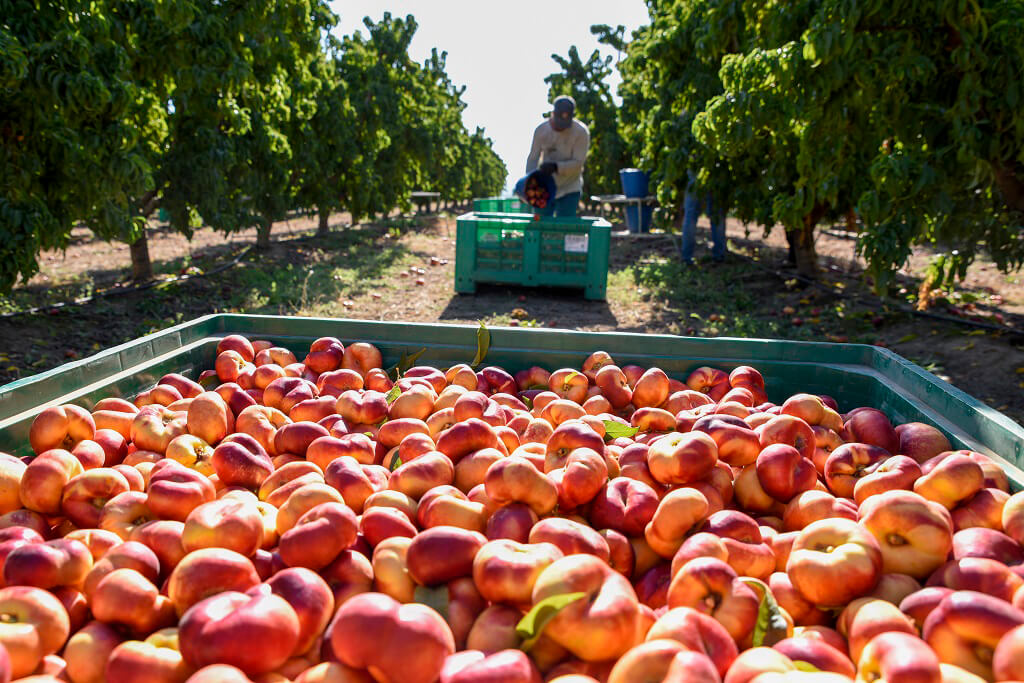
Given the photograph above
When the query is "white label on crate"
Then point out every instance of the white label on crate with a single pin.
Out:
(576, 244)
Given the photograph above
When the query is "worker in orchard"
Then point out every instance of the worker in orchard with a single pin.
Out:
(559, 148)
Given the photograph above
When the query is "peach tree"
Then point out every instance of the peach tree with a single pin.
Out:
(113, 109)
(801, 113)
(670, 72)
(487, 172)
(389, 98)
(387, 126)
(226, 114)
(69, 109)
(907, 111)
(233, 86)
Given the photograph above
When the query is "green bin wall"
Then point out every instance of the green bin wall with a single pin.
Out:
(521, 249)
(854, 374)
(501, 205)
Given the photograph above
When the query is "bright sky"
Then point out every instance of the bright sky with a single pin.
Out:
(501, 52)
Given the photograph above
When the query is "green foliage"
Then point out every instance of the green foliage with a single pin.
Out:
(459, 164)
(531, 627)
(484, 168)
(229, 114)
(669, 74)
(335, 149)
(402, 129)
(385, 91)
(67, 135)
(285, 46)
(797, 112)
(587, 83)
(951, 168)
(241, 85)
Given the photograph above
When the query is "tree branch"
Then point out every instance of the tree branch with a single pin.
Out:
(149, 202)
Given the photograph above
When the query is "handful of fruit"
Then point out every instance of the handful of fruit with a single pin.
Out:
(536, 193)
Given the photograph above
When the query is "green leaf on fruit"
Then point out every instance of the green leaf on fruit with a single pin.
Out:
(392, 394)
(805, 666)
(395, 464)
(615, 430)
(531, 627)
(538, 387)
(407, 361)
(413, 358)
(527, 401)
(771, 626)
(396, 371)
(483, 344)
(436, 598)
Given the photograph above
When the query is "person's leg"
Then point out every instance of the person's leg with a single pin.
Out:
(716, 216)
(566, 205)
(691, 208)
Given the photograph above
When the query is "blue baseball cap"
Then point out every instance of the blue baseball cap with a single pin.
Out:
(564, 107)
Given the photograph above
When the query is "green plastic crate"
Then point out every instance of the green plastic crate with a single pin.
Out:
(501, 205)
(527, 250)
(854, 374)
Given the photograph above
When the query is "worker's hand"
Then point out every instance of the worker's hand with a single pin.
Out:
(549, 167)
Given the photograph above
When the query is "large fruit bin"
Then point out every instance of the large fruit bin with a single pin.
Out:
(688, 593)
(501, 205)
(854, 374)
(532, 251)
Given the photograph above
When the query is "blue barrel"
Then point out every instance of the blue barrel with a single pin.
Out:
(634, 182)
(638, 218)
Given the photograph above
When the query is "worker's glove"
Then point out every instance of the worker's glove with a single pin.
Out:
(549, 167)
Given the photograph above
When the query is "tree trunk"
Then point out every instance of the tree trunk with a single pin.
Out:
(149, 203)
(791, 244)
(851, 220)
(1010, 185)
(142, 267)
(803, 246)
(323, 229)
(263, 233)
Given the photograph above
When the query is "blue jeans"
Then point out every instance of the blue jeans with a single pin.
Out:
(562, 207)
(691, 209)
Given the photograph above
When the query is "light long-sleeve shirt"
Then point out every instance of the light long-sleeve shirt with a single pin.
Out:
(567, 148)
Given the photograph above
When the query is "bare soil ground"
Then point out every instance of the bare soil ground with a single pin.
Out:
(364, 272)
